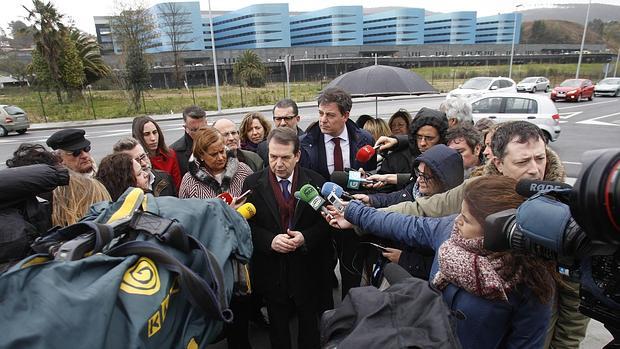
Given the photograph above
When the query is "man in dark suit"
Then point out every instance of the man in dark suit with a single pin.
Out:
(329, 145)
(289, 242)
(194, 118)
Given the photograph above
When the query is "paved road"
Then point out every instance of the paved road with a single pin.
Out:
(585, 126)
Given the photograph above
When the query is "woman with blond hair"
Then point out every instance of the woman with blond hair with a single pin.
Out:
(71, 202)
(377, 128)
(253, 129)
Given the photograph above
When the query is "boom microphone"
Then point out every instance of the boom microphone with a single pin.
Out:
(247, 210)
(308, 194)
(530, 187)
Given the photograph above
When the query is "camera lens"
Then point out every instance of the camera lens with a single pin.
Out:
(595, 202)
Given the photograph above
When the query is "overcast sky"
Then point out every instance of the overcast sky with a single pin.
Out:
(82, 11)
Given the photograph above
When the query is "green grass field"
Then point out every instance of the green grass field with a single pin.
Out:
(115, 103)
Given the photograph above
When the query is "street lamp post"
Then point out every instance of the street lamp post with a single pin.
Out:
(583, 40)
(514, 35)
(217, 82)
(617, 59)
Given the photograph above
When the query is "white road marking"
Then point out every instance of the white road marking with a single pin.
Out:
(569, 115)
(594, 121)
(571, 163)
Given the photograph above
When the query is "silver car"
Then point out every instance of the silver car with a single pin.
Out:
(537, 109)
(12, 119)
(533, 84)
(608, 87)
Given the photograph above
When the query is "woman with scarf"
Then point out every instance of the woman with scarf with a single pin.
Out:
(500, 300)
(211, 171)
(253, 129)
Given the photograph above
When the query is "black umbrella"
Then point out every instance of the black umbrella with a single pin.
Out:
(382, 81)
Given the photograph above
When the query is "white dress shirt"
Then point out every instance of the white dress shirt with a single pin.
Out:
(344, 146)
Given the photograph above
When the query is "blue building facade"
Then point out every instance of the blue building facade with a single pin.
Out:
(272, 26)
(187, 26)
(333, 26)
(403, 26)
(256, 26)
(450, 28)
(498, 29)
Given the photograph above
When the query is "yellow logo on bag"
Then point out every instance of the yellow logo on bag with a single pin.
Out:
(142, 278)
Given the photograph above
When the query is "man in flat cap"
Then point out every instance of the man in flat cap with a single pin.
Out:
(73, 149)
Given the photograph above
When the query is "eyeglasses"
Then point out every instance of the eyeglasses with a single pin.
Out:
(141, 158)
(285, 118)
(425, 138)
(78, 152)
(424, 176)
(191, 129)
(230, 133)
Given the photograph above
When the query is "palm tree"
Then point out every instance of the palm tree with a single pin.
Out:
(47, 31)
(88, 50)
(249, 70)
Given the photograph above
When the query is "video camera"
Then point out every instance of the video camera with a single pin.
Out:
(579, 227)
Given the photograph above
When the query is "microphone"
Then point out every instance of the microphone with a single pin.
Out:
(226, 197)
(329, 187)
(365, 153)
(247, 210)
(328, 191)
(530, 187)
(308, 194)
(351, 180)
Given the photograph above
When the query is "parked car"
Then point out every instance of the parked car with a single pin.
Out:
(502, 107)
(533, 84)
(573, 90)
(13, 119)
(476, 87)
(608, 87)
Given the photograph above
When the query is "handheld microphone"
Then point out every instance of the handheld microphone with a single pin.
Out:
(247, 210)
(226, 197)
(351, 180)
(308, 194)
(365, 153)
(530, 187)
(328, 192)
(333, 187)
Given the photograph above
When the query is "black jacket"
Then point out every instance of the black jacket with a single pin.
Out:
(313, 149)
(163, 185)
(183, 147)
(408, 314)
(298, 273)
(23, 217)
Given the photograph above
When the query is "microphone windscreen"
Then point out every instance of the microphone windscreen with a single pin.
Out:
(247, 210)
(329, 187)
(307, 193)
(365, 153)
(226, 197)
(529, 187)
(340, 177)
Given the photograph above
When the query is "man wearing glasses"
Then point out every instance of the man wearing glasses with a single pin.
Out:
(194, 118)
(160, 182)
(285, 114)
(233, 142)
(73, 150)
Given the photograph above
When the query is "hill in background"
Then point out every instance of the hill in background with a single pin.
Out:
(565, 32)
(573, 13)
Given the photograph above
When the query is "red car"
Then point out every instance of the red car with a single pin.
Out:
(573, 90)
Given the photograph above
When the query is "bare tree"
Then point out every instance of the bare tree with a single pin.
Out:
(176, 25)
(133, 29)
